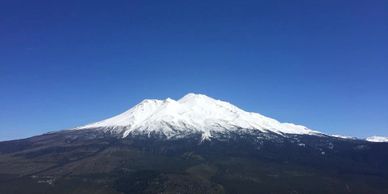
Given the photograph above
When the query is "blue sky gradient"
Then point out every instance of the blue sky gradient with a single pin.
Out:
(322, 64)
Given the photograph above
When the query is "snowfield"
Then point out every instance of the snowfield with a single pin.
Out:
(192, 113)
(377, 139)
(197, 113)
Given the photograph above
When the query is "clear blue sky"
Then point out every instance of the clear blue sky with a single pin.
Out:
(320, 63)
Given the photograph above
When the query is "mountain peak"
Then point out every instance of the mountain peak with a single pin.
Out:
(195, 96)
(193, 113)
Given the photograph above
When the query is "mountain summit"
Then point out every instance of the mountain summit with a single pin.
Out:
(193, 113)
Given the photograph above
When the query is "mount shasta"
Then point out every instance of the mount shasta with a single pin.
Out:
(194, 113)
(192, 145)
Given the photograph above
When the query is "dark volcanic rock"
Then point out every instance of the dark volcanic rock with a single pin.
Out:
(88, 161)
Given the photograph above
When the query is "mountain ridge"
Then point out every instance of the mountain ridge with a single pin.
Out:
(193, 113)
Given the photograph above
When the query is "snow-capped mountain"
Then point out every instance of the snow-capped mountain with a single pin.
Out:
(164, 152)
(193, 113)
(377, 139)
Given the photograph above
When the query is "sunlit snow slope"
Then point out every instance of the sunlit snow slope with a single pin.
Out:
(194, 113)
(377, 139)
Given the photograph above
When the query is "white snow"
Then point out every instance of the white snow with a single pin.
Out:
(344, 137)
(132, 117)
(193, 113)
(377, 139)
